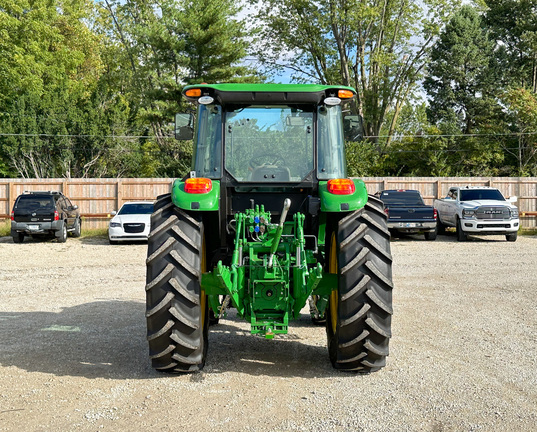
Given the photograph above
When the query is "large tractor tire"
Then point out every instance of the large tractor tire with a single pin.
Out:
(177, 308)
(359, 312)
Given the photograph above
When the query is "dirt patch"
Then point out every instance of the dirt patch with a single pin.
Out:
(463, 354)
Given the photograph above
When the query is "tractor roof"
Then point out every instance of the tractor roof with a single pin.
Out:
(269, 93)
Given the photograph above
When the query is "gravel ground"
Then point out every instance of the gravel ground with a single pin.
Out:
(463, 354)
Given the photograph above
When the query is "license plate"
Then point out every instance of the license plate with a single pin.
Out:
(409, 224)
(33, 227)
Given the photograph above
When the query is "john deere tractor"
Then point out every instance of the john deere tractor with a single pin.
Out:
(268, 223)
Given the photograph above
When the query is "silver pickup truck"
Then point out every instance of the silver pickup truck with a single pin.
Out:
(478, 210)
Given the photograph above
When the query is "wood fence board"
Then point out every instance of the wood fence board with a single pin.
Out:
(96, 198)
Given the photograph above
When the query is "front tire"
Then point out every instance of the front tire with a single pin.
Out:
(511, 237)
(358, 321)
(177, 308)
(461, 236)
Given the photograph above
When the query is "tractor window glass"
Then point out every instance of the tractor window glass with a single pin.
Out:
(269, 144)
(208, 157)
(331, 145)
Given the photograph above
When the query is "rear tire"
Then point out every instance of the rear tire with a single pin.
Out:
(61, 235)
(177, 309)
(77, 229)
(430, 235)
(358, 316)
(511, 237)
(461, 236)
(18, 237)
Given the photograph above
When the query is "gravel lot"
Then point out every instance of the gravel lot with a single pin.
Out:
(463, 354)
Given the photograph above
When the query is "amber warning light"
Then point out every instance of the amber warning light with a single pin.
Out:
(196, 92)
(345, 94)
(198, 185)
(341, 186)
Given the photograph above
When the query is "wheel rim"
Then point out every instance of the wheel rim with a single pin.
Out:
(332, 268)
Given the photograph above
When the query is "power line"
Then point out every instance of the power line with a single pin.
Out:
(78, 136)
(396, 136)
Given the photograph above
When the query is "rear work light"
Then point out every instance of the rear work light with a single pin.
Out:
(341, 186)
(198, 185)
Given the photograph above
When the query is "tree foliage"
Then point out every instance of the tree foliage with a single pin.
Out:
(378, 47)
(89, 88)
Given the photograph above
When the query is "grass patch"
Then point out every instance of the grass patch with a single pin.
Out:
(94, 232)
(528, 231)
(5, 228)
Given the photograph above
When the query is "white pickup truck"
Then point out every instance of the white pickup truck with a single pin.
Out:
(478, 210)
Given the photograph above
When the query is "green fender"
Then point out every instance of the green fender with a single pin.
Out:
(343, 203)
(196, 202)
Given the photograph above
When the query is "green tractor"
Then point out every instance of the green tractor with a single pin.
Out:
(268, 223)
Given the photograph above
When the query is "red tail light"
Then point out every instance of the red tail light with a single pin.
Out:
(12, 215)
(435, 214)
(198, 185)
(387, 211)
(56, 215)
(341, 186)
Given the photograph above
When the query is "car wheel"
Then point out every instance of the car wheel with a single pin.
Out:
(18, 237)
(61, 235)
(461, 236)
(440, 227)
(511, 237)
(430, 235)
(77, 228)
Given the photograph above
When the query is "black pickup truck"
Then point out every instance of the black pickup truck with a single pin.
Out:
(408, 214)
(44, 214)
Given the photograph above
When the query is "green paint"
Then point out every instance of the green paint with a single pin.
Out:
(269, 88)
(268, 296)
(196, 202)
(338, 203)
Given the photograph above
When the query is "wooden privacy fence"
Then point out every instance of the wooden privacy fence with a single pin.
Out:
(96, 198)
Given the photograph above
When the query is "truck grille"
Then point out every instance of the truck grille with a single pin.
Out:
(133, 228)
(488, 213)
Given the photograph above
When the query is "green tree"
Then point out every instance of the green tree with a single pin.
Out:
(163, 45)
(521, 108)
(458, 83)
(378, 47)
(513, 25)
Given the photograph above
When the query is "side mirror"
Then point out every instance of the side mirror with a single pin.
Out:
(353, 128)
(512, 199)
(113, 213)
(184, 126)
(75, 207)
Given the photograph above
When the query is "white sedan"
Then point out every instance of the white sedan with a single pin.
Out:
(131, 223)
